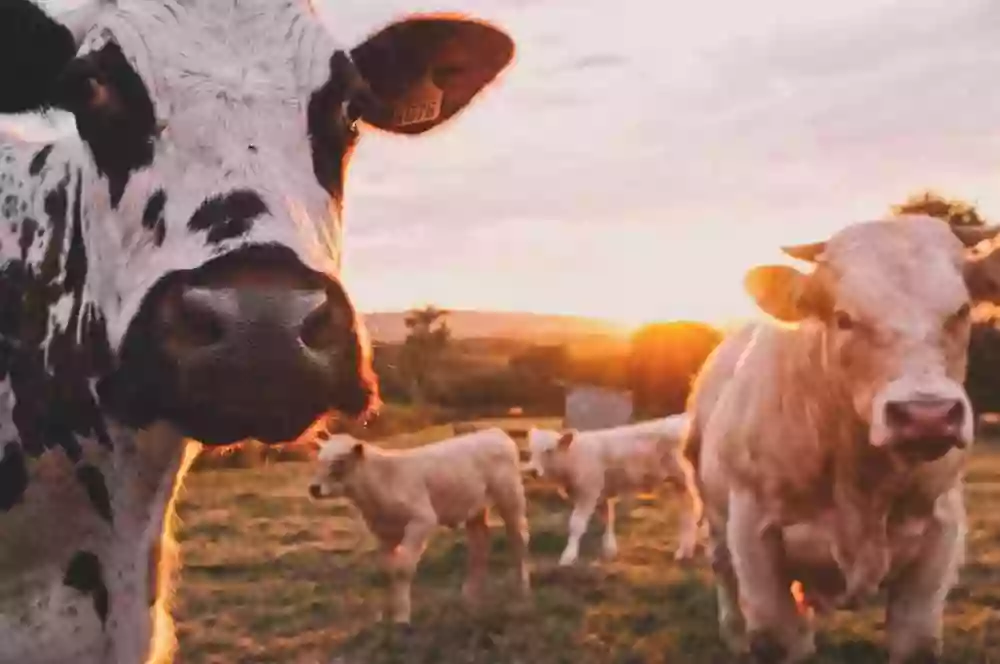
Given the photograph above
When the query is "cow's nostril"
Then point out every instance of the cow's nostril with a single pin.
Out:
(924, 415)
(193, 321)
(956, 414)
(321, 329)
(896, 414)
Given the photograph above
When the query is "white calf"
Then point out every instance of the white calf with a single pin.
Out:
(595, 467)
(403, 495)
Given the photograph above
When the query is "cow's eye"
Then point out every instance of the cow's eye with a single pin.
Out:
(961, 315)
(352, 111)
(843, 320)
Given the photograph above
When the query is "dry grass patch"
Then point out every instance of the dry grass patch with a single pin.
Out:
(272, 577)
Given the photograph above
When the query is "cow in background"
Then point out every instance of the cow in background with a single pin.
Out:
(170, 273)
(830, 450)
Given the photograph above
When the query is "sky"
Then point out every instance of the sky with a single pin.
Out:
(634, 162)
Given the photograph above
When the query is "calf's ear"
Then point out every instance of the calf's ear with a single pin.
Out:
(780, 291)
(565, 440)
(358, 450)
(424, 69)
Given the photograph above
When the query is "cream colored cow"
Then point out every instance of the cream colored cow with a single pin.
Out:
(404, 495)
(596, 467)
(830, 450)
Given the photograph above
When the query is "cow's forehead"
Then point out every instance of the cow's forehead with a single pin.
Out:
(334, 448)
(244, 48)
(912, 264)
(542, 438)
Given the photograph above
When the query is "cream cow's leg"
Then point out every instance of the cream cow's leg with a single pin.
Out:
(776, 631)
(917, 596)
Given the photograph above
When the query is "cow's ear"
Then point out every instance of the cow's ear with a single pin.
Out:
(425, 69)
(34, 49)
(781, 291)
(358, 450)
(982, 276)
(565, 440)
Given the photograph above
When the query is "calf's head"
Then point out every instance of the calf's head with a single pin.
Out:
(214, 141)
(547, 451)
(338, 457)
(892, 301)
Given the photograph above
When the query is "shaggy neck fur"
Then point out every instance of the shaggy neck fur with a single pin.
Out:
(118, 610)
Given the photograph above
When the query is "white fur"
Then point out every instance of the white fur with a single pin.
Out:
(598, 467)
(404, 495)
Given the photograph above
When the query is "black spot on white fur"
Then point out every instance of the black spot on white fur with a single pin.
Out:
(85, 574)
(38, 161)
(152, 217)
(13, 476)
(92, 480)
(118, 130)
(54, 405)
(227, 217)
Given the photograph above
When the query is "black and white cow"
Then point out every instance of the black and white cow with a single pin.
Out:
(170, 273)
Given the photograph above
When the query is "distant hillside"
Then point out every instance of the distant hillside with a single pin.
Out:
(389, 326)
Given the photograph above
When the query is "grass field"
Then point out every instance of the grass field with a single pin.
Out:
(270, 576)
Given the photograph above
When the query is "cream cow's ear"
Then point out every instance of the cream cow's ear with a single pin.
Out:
(779, 291)
(982, 276)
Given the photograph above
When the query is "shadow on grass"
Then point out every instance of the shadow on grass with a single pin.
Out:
(586, 614)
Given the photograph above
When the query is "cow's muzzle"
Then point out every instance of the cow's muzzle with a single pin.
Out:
(254, 345)
(926, 429)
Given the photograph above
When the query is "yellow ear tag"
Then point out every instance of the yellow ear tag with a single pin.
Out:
(420, 105)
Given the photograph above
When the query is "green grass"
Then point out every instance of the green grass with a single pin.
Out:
(270, 576)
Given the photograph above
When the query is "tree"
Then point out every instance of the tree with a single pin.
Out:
(956, 212)
(541, 362)
(663, 360)
(984, 367)
(426, 342)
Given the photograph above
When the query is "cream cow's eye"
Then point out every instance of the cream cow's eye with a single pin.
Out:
(843, 320)
(961, 315)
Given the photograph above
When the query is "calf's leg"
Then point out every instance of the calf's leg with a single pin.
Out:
(513, 509)
(692, 528)
(578, 520)
(478, 541)
(916, 596)
(777, 632)
(609, 544)
(401, 564)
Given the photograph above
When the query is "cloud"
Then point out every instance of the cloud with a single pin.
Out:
(756, 122)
